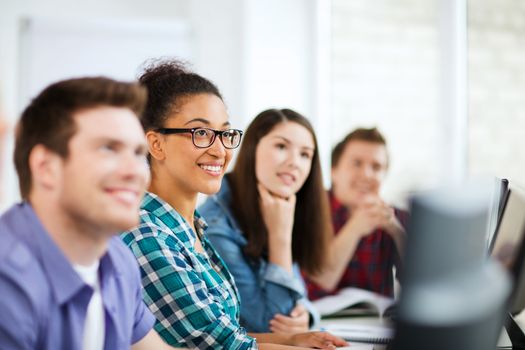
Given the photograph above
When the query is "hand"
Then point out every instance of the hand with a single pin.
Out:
(386, 218)
(393, 227)
(297, 322)
(321, 340)
(278, 215)
(369, 215)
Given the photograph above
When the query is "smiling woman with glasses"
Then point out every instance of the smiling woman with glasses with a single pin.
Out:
(186, 283)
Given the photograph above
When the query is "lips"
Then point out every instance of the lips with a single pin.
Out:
(212, 169)
(125, 196)
(362, 188)
(287, 178)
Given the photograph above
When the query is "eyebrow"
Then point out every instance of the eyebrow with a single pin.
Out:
(110, 139)
(288, 141)
(205, 121)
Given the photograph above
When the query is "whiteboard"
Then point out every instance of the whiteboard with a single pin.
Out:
(55, 49)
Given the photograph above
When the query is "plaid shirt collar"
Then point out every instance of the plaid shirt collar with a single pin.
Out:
(171, 218)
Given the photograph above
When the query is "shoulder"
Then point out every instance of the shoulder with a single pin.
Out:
(151, 225)
(25, 288)
(216, 210)
(16, 257)
(122, 257)
(217, 205)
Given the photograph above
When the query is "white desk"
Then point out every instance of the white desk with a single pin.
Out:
(503, 343)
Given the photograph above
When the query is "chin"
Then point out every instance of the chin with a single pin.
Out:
(126, 223)
(211, 189)
(210, 185)
(283, 192)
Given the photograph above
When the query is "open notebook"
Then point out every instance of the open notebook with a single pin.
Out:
(356, 346)
(354, 302)
(375, 334)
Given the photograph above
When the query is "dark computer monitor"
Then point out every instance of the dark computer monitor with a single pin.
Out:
(497, 203)
(508, 246)
(504, 188)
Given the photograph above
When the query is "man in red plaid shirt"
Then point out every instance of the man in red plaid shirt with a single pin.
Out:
(369, 233)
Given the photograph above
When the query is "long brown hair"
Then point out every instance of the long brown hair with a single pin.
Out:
(312, 223)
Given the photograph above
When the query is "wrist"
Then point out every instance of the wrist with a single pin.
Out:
(355, 230)
(282, 260)
(396, 230)
(289, 340)
(281, 237)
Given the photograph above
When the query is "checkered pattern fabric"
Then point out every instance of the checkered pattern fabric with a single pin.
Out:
(373, 260)
(192, 294)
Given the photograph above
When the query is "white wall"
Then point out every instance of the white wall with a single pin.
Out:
(259, 53)
(278, 51)
(218, 48)
(497, 88)
(386, 73)
(11, 14)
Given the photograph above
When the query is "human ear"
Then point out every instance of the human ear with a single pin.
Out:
(45, 166)
(156, 145)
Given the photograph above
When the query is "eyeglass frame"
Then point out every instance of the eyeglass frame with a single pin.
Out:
(173, 131)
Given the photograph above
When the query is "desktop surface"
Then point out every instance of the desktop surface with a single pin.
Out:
(371, 321)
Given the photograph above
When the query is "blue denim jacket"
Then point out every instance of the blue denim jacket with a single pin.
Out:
(265, 288)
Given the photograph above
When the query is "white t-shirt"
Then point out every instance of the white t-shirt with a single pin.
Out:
(94, 328)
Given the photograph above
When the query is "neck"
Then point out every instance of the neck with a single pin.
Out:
(349, 205)
(184, 202)
(81, 243)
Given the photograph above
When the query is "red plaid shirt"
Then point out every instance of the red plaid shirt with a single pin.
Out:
(373, 260)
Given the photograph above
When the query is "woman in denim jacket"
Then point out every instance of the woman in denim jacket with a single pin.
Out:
(270, 220)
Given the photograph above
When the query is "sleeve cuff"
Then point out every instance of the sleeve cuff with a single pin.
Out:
(277, 275)
(315, 318)
(143, 327)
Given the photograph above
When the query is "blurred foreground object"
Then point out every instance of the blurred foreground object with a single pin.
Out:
(453, 297)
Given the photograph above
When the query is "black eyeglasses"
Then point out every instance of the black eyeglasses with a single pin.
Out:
(204, 137)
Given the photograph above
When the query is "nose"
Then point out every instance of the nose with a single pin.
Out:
(134, 167)
(217, 149)
(293, 159)
(367, 171)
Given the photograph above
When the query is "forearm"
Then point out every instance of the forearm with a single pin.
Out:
(398, 234)
(341, 250)
(280, 250)
(314, 316)
(272, 338)
(152, 341)
(278, 347)
(316, 340)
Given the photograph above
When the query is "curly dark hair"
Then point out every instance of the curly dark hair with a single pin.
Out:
(169, 82)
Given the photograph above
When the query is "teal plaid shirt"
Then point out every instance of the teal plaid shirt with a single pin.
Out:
(192, 295)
